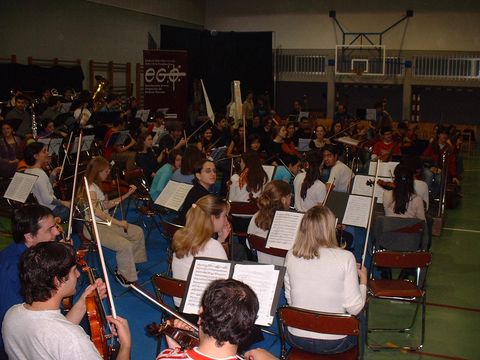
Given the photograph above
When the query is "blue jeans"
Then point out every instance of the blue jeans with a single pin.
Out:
(321, 346)
(433, 182)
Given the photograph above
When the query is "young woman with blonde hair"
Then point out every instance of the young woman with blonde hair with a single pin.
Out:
(321, 276)
(275, 196)
(124, 238)
(207, 216)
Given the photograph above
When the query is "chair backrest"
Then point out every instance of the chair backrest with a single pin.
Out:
(169, 229)
(315, 321)
(399, 234)
(165, 285)
(258, 243)
(402, 260)
(243, 208)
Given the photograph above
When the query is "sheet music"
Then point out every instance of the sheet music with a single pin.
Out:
(284, 229)
(357, 211)
(218, 153)
(360, 187)
(55, 145)
(348, 140)
(303, 145)
(65, 107)
(269, 169)
(46, 141)
(122, 136)
(173, 195)
(371, 114)
(87, 142)
(20, 187)
(386, 169)
(204, 272)
(142, 114)
(303, 114)
(263, 281)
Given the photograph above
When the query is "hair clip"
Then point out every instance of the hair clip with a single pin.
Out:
(194, 205)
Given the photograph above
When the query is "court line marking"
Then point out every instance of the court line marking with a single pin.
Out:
(462, 230)
(394, 346)
(455, 307)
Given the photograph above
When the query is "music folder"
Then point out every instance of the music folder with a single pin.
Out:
(118, 138)
(350, 209)
(266, 281)
(270, 170)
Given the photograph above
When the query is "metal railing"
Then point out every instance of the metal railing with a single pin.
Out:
(451, 67)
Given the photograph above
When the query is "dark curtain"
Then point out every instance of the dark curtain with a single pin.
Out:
(33, 78)
(221, 57)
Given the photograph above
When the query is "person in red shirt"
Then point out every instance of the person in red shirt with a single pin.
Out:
(119, 152)
(385, 148)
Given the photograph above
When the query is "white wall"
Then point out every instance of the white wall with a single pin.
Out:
(74, 29)
(305, 24)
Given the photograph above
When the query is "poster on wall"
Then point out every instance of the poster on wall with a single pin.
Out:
(165, 81)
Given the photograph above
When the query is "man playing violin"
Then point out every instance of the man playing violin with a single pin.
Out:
(36, 329)
(227, 316)
(385, 148)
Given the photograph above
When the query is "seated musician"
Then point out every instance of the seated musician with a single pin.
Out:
(342, 117)
(276, 196)
(309, 189)
(254, 143)
(112, 103)
(174, 140)
(47, 130)
(275, 148)
(164, 174)
(36, 329)
(304, 131)
(249, 184)
(288, 145)
(236, 144)
(386, 148)
(340, 174)
(36, 157)
(146, 159)
(53, 108)
(288, 168)
(402, 201)
(11, 150)
(319, 142)
(119, 153)
(227, 316)
(205, 176)
(186, 174)
(206, 143)
(432, 157)
(20, 118)
(127, 240)
(206, 216)
(221, 132)
(321, 276)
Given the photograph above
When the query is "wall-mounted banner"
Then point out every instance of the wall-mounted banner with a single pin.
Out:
(165, 81)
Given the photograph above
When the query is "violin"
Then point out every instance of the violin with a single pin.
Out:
(387, 185)
(186, 339)
(99, 329)
(113, 186)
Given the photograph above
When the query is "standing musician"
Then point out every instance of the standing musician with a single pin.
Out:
(126, 239)
(36, 157)
(386, 148)
(340, 174)
(227, 316)
(36, 329)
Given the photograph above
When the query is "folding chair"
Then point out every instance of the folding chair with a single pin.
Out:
(258, 243)
(241, 213)
(169, 229)
(315, 321)
(167, 286)
(400, 290)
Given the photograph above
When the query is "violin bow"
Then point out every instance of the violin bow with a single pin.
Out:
(99, 248)
(328, 192)
(372, 203)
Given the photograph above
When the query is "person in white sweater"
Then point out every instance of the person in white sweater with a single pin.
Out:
(323, 277)
(207, 216)
(249, 184)
(275, 196)
(309, 189)
(37, 158)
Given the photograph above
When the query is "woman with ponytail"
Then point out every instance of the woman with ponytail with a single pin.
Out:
(402, 200)
(275, 196)
(309, 189)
